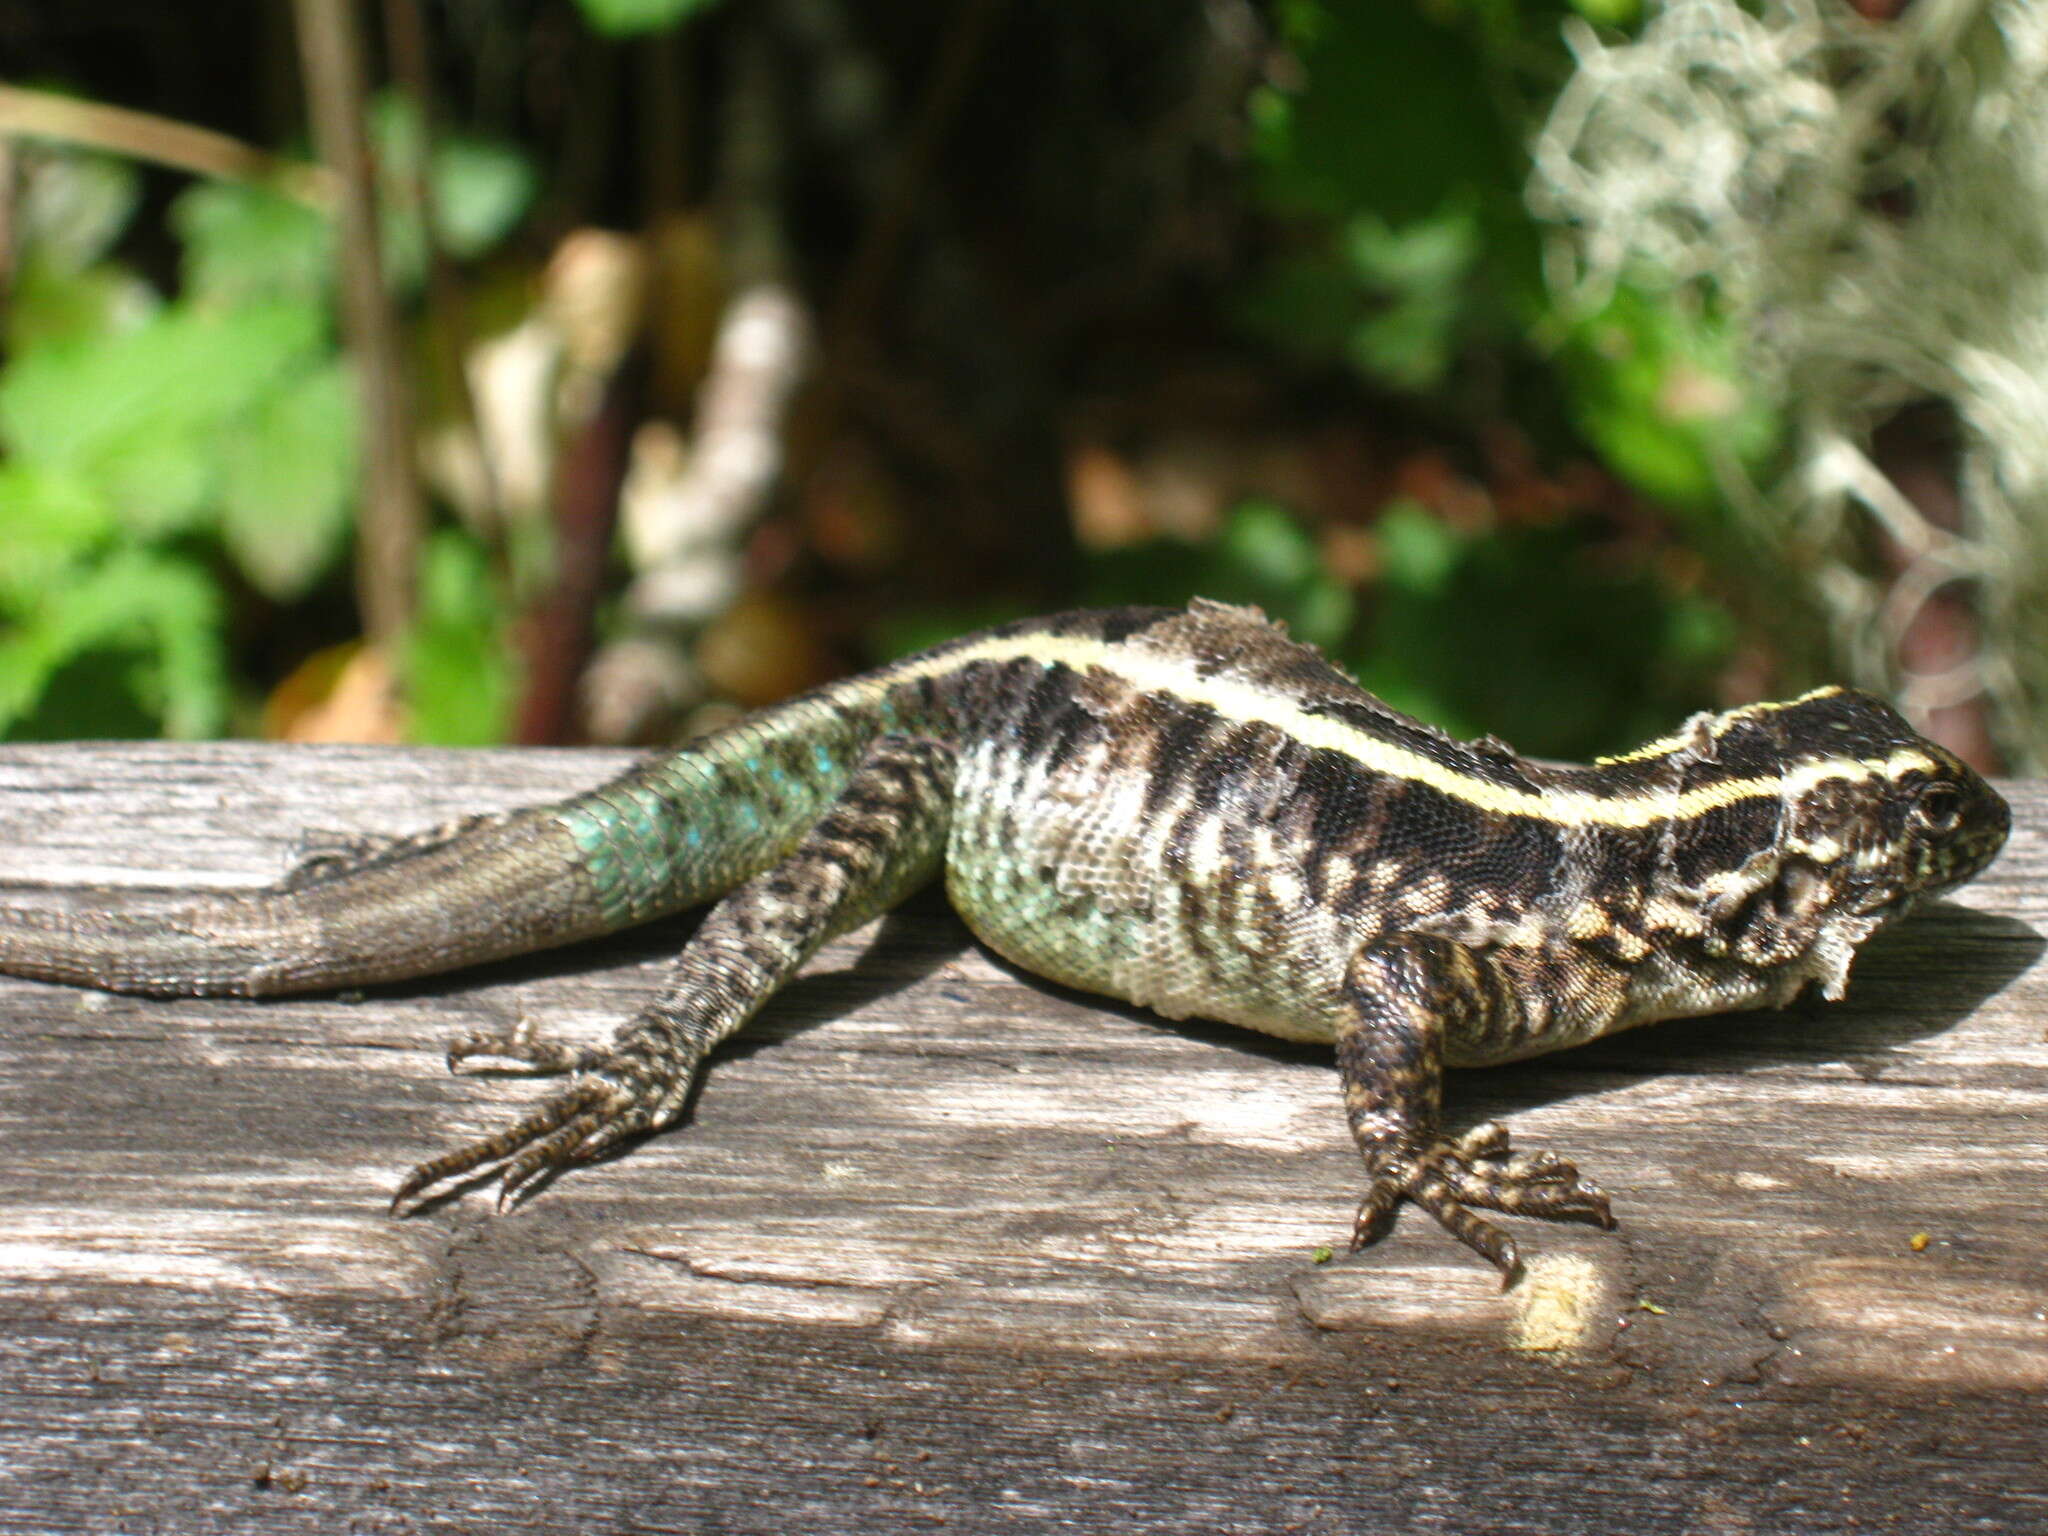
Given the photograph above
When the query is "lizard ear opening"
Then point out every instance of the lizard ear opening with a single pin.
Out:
(1800, 887)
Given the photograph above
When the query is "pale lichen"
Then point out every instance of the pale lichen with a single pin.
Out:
(1869, 203)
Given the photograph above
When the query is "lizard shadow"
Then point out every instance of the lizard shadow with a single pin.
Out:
(1911, 982)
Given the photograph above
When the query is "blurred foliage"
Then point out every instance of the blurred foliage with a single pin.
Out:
(1393, 161)
(1345, 184)
(626, 18)
(1259, 556)
(1522, 632)
(166, 454)
(458, 674)
(1526, 634)
(1654, 387)
(1391, 152)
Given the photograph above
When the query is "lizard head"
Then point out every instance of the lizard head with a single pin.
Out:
(1854, 817)
(1890, 815)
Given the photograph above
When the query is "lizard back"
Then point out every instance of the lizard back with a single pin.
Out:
(1192, 812)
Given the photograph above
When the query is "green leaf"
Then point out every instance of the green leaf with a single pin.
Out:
(1417, 272)
(1659, 390)
(1268, 546)
(481, 190)
(49, 306)
(164, 475)
(244, 242)
(144, 415)
(49, 525)
(1395, 300)
(458, 677)
(1260, 556)
(290, 482)
(69, 405)
(1418, 552)
(1610, 13)
(1428, 254)
(627, 18)
(1393, 115)
(146, 624)
(1266, 558)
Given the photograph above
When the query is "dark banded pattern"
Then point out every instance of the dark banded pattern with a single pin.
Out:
(1181, 808)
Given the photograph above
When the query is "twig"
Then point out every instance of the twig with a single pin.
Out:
(558, 631)
(392, 514)
(162, 141)
(952, 72)
(405, 34)
(8, 188)
(665, 98)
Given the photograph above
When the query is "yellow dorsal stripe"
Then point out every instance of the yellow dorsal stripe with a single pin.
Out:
(1156, 672)
(1721, 723)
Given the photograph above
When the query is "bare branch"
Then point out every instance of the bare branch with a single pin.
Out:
(161, 141)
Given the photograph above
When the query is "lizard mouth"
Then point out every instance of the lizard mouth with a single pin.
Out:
(1884, 904)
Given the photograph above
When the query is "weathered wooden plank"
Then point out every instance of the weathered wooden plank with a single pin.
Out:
(943, 1245)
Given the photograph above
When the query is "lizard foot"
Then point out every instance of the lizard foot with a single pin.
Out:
(616, 1094)
(1448, 1178)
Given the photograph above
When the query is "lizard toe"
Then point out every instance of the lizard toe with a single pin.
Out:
(554, 1151)
(537, 1127)
(1454, 1180)
(536, 1052)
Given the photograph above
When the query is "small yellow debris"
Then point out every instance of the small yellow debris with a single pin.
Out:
(1322, 1255)
(1919, 1242)
(1644, 1304)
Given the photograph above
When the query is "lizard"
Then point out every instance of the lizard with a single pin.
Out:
(1182, 808)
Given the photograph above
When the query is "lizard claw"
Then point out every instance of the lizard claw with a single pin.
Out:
(1449, 1178)
(636, 1085)
(590, 1115)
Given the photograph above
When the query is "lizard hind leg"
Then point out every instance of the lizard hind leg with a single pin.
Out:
(882, 837)
(322, 856)
(1399, 998)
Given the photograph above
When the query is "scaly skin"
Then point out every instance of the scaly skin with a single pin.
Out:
(1181, 809)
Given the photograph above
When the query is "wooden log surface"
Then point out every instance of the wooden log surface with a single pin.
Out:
(941, 1247)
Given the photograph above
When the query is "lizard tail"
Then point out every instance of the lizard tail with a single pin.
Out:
(668, 834)
(513, 885)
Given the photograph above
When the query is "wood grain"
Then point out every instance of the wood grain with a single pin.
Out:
(942, 1247)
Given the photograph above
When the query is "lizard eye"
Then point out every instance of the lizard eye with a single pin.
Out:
(1939, 808)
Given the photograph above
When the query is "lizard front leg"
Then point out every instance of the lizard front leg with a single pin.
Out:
(1399, 998)
(879, 840)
